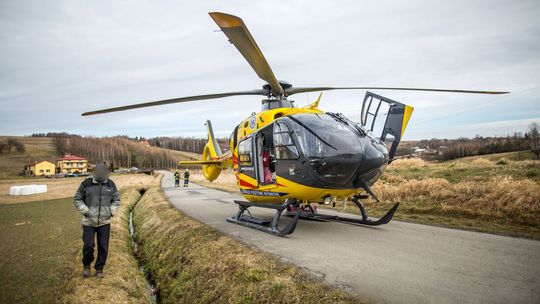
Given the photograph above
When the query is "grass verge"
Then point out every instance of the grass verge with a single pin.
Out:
(193, 263)
(123, 282)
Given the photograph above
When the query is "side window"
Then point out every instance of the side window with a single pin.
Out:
(283, 144)
(244, 152)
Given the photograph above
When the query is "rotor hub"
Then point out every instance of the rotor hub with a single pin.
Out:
(284, 85)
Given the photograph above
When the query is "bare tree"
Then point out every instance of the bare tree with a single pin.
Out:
(11, 144)
(20, 147)
(59, 143)
(534, 138)
(3, 148)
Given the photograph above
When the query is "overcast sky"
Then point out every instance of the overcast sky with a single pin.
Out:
(61, 58)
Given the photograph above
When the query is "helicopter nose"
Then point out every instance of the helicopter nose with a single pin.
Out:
(337, 172)
(374, 161)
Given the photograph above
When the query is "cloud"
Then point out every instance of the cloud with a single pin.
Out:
(61, 58)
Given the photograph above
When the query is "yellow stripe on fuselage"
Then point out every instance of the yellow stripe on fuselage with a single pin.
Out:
(290, 189)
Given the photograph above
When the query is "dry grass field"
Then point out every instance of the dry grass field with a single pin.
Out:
(226, 180)
(490, 194)
(494, 193)
(63, 187)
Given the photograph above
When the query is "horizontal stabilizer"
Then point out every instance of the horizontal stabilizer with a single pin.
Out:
(200, 162)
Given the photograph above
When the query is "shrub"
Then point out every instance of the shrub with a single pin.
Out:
(407, 163)
(481, 162)
(502, 162)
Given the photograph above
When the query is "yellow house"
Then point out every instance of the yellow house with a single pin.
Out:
(72, 164)
(41, 168)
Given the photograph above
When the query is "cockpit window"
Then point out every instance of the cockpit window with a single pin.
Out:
(283, 143)
(321, 136)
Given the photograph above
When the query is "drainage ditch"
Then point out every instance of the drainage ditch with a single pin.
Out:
(150, 283)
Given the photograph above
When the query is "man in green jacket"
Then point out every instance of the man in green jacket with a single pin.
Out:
(97, 199)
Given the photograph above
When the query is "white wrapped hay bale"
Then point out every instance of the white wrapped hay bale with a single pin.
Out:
(41, 189)
(15, 190)
(27, 189)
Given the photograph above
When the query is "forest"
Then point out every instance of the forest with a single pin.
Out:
(447, 149)
(165, 152)
(117, 151)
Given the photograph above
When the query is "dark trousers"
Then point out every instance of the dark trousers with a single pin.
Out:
(177, 183)
(103, 233)
(186, 182)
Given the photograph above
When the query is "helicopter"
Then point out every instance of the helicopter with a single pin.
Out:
(289, 158)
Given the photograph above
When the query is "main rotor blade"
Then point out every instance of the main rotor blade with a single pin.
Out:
(238, 34)
(293, 90)
(176, 100)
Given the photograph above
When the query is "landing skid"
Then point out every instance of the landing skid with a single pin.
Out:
(264, 225)
(313, 215)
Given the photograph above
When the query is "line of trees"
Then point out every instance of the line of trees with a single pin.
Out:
(484, 145)
(188, 144)
(447, 149)
(178, 143)
(120, 151)
(124, 151)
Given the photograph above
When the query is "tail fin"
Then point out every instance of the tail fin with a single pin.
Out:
(213, 161)
(214, 149)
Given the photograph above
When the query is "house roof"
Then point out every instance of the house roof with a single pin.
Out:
(38, 162)
(71, 157)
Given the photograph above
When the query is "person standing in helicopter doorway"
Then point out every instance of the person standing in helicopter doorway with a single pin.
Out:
(186, 178)
(176, 179)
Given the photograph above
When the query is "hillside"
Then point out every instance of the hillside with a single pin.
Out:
(37, 148)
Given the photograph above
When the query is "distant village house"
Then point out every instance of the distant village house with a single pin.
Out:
(72, 164)
(40, 168)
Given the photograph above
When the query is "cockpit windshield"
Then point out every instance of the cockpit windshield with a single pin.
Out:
(322, 136)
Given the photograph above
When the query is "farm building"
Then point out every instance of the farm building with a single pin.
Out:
(72, 164)
(40, 168)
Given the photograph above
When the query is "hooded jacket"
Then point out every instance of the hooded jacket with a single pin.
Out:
(97, 202)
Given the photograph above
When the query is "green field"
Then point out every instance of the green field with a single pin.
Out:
(39, 241)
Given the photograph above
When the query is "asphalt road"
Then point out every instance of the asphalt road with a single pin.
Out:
(395, 263)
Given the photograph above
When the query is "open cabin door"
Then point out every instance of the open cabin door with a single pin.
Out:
(255, 156)
(386, 117)
(265, 158)
(246, 157)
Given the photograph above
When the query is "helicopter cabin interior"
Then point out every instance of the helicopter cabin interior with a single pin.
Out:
(259, 153)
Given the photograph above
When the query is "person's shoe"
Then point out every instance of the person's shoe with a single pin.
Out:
(99, 274)
(86, 272)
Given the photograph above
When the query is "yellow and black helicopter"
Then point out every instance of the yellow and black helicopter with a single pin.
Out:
(287, 158)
